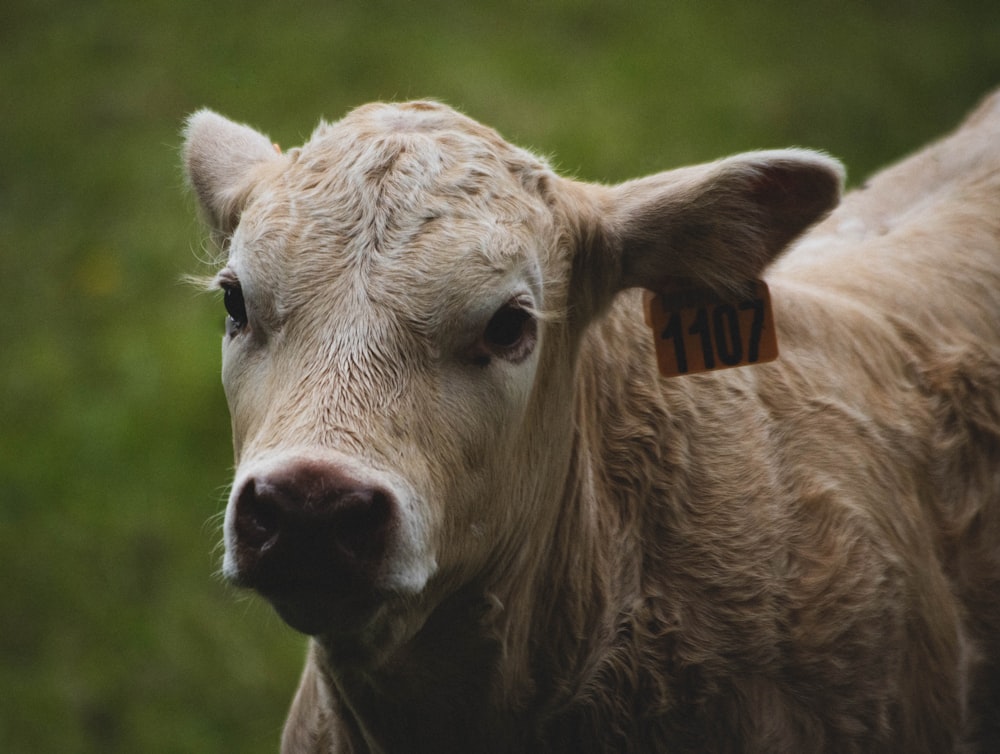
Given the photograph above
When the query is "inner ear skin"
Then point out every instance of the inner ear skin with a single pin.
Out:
(719, 224)
(796, 196)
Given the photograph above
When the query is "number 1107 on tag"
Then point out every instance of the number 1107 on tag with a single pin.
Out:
(697, 331)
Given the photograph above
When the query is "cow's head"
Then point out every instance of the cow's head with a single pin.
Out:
(406, 293)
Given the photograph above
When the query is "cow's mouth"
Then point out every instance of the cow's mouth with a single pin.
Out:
(338, 599)
(315, 611)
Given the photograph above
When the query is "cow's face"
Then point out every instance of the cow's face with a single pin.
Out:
(387, 316)
(405, 294)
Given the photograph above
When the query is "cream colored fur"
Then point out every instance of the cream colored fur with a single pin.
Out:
(795, 557)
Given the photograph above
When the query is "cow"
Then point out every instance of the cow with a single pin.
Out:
(460, 472)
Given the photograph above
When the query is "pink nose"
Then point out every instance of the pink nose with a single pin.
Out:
(310, 532)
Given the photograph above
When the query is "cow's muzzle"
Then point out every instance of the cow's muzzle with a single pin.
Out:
(312, 539)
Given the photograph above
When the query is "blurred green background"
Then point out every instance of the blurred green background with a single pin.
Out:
(115, 633)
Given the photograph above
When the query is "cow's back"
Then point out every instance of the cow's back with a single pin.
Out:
(909, 267)
(920, 241)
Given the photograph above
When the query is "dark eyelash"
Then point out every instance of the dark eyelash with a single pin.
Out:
(232, 299)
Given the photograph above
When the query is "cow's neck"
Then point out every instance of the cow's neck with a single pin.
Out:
(569, 605)
(601, 625)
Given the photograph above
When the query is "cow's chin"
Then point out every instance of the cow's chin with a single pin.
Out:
(361, 632)
(315, 612)
(369, 608)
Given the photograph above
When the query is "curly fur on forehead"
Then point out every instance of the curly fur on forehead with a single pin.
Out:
(384, 167)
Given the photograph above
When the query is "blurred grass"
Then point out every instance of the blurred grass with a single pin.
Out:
(115, 634)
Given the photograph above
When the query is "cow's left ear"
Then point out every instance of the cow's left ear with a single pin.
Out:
(221, 158)
(719, 224)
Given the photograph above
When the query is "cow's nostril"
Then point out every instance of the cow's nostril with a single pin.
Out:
(360, 521)
(258, 520)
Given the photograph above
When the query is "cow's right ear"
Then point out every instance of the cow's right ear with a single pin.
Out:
(220, 158)
(717, 225)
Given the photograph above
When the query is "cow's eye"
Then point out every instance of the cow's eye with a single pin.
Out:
(232, 297)
(510, 333)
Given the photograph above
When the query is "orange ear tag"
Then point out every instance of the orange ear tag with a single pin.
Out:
(697, 330)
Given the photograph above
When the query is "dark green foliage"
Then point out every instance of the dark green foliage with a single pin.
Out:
(115, 634)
